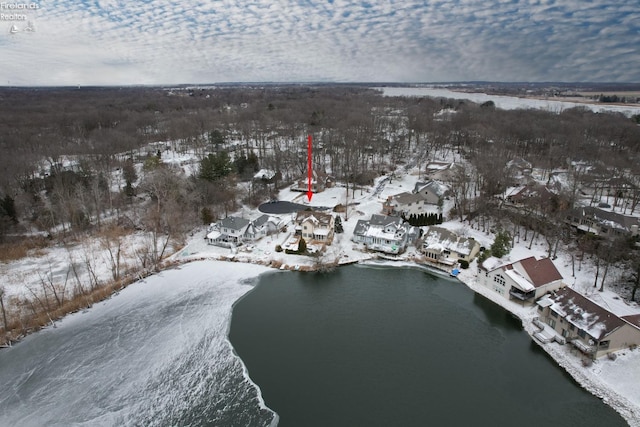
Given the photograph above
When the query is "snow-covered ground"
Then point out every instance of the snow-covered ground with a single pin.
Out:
(155, 354)
(508, 102)
(66, 265)
(616, 381)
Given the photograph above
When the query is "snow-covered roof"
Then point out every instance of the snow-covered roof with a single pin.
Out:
(520, 281)
(585, 314)
(318, 218)
(214, 235)
(264, 174)
(537, 272)
(439, 239)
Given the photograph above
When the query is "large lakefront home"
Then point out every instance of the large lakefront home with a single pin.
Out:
(234, 231)
(525, 280)
(590, 328)
(315, 226)
(446, 247)
(383, 233)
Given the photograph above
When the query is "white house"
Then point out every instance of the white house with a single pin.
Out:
(383, 233)
(524, 280)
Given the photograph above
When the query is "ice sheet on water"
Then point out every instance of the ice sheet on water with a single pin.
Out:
(157, 354)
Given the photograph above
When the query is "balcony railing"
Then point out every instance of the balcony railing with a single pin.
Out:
(522, 296)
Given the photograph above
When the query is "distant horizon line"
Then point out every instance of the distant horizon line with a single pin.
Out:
(326, 83)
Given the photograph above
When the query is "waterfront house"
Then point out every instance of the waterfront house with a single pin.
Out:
(524, 280)
(234, 231)
(446, 247)
(315, 226)
(383, 233)
(589, 327)
(227, 232)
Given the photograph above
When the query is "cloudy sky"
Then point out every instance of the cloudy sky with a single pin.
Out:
(206, 41)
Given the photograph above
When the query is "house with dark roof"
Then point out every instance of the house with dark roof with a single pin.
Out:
(533, 195)
(383, 234)
(227, 232)
(602, 222)
(524, 280)
(320, 180)
(589, 327)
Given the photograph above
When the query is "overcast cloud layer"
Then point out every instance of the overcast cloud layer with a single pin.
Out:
(206, 41)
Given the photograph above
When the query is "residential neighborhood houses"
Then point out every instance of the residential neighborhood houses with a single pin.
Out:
(531, 281)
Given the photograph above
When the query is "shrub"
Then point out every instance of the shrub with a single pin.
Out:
(278, 248)
(464, 264)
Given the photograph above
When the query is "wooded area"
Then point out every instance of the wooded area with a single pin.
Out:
(79, 162)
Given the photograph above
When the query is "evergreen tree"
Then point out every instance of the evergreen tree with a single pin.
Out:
(302, 246)
(338, 225)
(215, 166)
(501, 245)
(8, 208)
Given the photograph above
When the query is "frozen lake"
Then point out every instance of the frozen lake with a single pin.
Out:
(156, 354)
(506, 102)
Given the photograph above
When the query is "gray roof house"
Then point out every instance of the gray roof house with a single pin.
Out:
(233, 231)
(383, 233)
(602, 222)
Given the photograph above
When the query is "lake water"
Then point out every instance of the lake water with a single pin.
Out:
(398, 347)
(356, 347)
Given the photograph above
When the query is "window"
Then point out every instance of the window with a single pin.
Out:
(552, 323)
(499, 279)
(565, 333)
(604, 344)
(581, 333)
(554, 314)
(572, 327)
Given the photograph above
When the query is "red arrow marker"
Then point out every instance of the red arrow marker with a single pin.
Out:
(310, 171)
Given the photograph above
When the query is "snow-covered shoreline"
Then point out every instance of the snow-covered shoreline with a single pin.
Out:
(572, 364)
